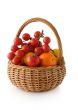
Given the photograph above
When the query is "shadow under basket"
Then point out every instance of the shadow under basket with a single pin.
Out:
(38, 79)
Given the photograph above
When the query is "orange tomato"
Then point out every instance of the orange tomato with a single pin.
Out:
(48, 59)
(24, 59)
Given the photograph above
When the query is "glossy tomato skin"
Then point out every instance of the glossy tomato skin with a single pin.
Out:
(17, 41)
(37, 34)
(10, 55)
(31, 48)
(46, 40)
(48, 59)
(26, 36)
(14, 48)
(38, 50)
(25, 48)
(46, 48)
(20, 53)
(33, 61)
(16, 60)
(34, 41)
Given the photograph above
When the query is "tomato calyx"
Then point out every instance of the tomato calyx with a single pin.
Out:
(42, 34)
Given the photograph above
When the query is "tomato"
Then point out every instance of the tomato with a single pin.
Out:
(17, 41)
(39, 44)
(10, 55)
(48, 59)
(14, 48)
(19, 53)
(24, 59)
(25, 48)
(34, 41)
(33, 61)
(46, 40)
(31, 48)
(46, 48)
(37, 34)
(26, 36)
(38, 50)
(16, 60)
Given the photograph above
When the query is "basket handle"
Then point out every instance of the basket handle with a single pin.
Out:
(48, 24)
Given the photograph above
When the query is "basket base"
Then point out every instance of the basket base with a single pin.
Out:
(36, 79)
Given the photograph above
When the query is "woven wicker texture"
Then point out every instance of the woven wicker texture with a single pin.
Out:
(38, 78)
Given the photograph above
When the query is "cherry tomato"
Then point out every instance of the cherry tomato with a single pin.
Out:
(31, 48)
(17, 41)
(25, 48)
(20, 53)
(46, 40)
(37, 34)
(10, 55)
(38, 50)
(16, 60)
(26, 36)
(39, 44)
(46, 48)
(34, 41)
(14, 48)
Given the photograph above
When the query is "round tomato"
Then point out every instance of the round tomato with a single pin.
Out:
(48, 59)
(34, 41)
(26, 36)
(37, 34)
(16, 60)
(33, 61)
(17, 41)
(20, 53)
(46, 40)
(10, 55)
(25, 48)
(46, 48)
(38, 50)
(14, 48)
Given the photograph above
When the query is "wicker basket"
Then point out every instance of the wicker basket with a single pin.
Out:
(38, 78)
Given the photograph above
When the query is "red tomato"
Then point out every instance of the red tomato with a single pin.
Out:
(17, 41)
(38, 45)
(10, 55)
(19, 53)
(14, 48)
(25, 48)
(34, 41)
(46, 40)
(31, 48)
(46, 48)
(16, 60)
(33, 61)
(26, 36)
(38, 50)
(37, 34)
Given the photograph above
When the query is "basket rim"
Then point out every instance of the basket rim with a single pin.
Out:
(32, 68)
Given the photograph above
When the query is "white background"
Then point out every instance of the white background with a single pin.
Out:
(64, 15)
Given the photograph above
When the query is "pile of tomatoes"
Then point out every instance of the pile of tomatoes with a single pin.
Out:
(29, 50)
